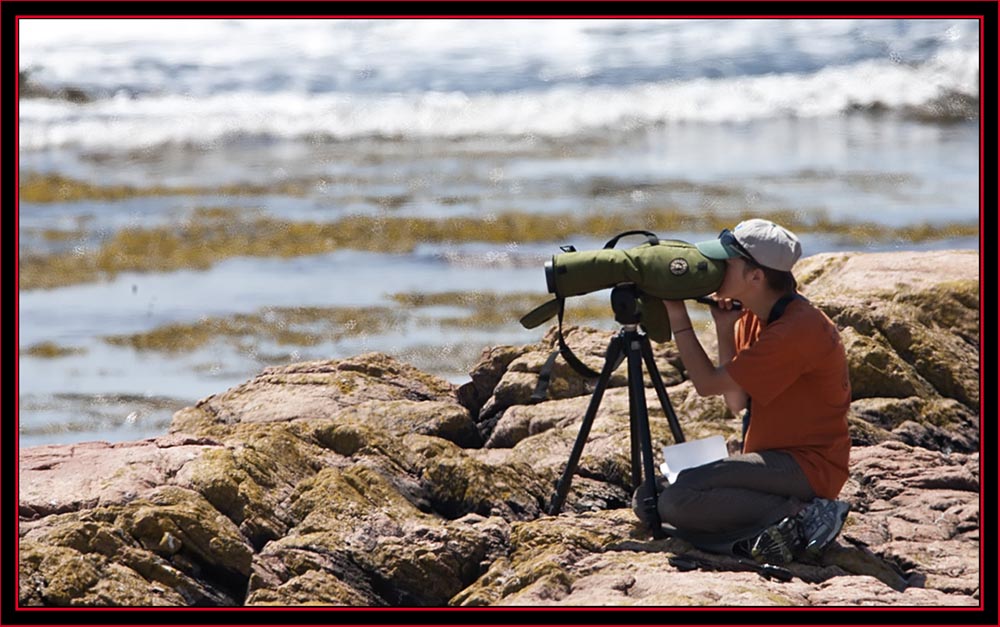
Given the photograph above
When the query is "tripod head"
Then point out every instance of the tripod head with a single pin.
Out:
(625, 303)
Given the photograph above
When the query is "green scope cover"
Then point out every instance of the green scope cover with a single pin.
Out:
(653, 318)
(669, 270)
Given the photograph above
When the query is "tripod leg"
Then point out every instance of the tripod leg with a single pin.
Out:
(634, 439)
(661, 390)
(640, 424)
(611, 361)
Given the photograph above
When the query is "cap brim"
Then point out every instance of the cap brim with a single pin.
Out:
(713, 249)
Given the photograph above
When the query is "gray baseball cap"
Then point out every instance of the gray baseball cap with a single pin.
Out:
(763, 241)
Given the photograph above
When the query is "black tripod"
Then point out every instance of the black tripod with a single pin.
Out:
(634, 346)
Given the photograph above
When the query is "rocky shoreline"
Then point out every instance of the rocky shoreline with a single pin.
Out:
(366, 482)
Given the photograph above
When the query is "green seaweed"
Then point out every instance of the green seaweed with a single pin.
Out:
(297, 326)
(46, 188)
(215, 234)
(51, 350)
(492, 309)
(311, 326)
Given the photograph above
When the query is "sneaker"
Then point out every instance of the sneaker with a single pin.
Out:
(821, 522)
(780, 543)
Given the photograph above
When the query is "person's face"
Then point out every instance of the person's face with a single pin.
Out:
(737, 279)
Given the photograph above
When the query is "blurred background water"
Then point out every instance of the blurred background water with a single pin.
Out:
(831, 122)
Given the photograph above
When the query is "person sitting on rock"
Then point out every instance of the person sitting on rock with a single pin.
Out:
(784, 368)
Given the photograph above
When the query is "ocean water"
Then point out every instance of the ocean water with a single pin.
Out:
(846, 120)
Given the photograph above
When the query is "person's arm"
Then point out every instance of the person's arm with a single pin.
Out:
(725, 328)
(708, 379)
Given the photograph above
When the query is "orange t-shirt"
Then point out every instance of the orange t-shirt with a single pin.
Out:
(795, 371)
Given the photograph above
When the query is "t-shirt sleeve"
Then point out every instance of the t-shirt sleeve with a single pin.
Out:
(771, 364)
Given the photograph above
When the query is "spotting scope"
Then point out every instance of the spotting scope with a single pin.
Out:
(659, 269)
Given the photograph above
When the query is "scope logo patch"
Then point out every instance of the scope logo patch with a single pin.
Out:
(678, 266)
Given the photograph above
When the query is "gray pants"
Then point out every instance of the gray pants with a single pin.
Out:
(738, 494)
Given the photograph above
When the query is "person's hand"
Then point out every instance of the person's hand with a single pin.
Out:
(723, 313)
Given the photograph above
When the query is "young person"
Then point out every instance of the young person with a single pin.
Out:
(782, 367)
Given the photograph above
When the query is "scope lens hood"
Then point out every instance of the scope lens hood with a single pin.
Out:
(550, 276)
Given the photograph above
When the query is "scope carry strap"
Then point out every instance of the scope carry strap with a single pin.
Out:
(545, 374)
(650, 237)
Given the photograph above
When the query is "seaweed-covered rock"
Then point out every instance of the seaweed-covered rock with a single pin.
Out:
(169, 548)
(912, 538)
(910, 323)
(366, 482)
(515, 380)
(358, 541)
(316, 390)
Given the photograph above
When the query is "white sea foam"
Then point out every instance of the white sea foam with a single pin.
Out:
(127, 122)
(206, 81)
(200, 57)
